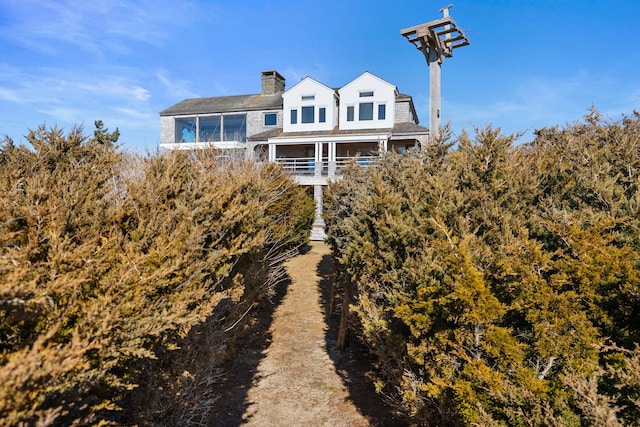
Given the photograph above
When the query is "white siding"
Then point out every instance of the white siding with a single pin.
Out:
(384, 93)
(323, 97)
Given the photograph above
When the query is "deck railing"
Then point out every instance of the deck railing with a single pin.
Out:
(309, 166)
(363, 161)
(298, 165)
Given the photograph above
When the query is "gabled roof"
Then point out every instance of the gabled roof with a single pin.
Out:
(367, 74)
(225, 104)
(309, 80)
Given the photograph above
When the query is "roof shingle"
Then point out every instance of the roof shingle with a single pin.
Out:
(225, 104)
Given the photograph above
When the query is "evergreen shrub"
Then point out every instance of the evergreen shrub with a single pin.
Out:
(499, 284)
(124, 278)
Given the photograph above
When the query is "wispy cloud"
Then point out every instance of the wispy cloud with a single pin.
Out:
(51, 86)
(67, 97)
(95, 27)
(67, 62)
(175, 88)
(135, 115)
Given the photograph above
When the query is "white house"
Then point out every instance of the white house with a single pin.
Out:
(311, 129)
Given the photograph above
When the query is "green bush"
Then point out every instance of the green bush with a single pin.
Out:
(108, 261)
(498, 283)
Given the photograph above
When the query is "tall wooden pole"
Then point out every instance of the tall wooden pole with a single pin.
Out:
(436, 40)
(434, 92)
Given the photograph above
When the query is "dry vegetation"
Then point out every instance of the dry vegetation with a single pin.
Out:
(499, 284)
(123, 279)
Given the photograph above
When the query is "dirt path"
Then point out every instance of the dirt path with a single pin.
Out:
(297, 383)
(291, 374)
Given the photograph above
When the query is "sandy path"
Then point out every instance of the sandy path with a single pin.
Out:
(296, 383)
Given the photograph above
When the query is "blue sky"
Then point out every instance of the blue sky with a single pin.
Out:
(530, 64)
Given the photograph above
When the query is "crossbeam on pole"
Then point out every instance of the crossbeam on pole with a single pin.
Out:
(436, 40)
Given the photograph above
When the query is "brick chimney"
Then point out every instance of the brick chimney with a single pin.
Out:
(272, 82)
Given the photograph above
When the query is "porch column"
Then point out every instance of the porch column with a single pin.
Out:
(318, 160)
(382, 144)
(332, 160)
(249, 150)
(272, 152)
(317, 229)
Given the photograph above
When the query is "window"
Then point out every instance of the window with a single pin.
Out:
(294, 117)
(270, 119)
(308, 114)
(209, 129)
(350, 113)
(308, 97)
(322, 114)
(186, 129)
(382, 112)
(232, 127)
(365, 112)
(235, 127)
(366, 94)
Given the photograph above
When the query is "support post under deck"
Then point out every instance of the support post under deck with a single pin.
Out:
(317, 229)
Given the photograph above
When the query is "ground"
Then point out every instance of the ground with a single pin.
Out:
(287, 371)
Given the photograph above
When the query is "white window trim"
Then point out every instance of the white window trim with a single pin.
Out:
(353, 106)
(386, 110)
(319, 107)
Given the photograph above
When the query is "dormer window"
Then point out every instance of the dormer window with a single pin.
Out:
(350, 111)
(308, 114)
(382, 111)
(365, 111)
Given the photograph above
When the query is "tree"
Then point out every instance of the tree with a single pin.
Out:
(102, 135)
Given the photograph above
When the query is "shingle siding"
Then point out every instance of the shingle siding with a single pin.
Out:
(255, 121)
(167, 130)
(404, 113)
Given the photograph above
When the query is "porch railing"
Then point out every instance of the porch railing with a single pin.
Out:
(363, 161)
(298, 165)
(309, 166)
